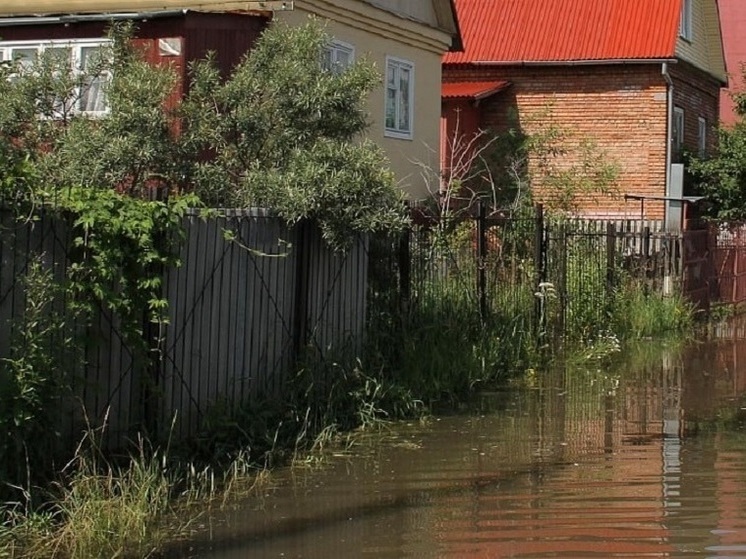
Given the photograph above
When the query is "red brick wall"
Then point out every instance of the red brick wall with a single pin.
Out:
(622, 108)
(699, 96)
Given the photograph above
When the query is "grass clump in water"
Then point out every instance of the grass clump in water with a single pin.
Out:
(134, 509)
(101, 510)
(638, 313)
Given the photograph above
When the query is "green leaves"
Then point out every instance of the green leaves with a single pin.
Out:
(722, 178)
(284, 133)
(124, 244)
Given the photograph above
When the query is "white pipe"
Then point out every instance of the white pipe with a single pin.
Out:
(669, 124)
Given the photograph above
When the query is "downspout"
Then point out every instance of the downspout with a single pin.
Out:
(669, 124)
(669, 140)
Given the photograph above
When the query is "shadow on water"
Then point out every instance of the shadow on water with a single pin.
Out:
(643, 458)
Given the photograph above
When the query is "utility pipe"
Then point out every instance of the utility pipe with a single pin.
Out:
(669, 124)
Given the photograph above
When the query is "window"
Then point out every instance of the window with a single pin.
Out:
(685, 24)
(337, 56)
(88, 97)
(399, 98)
(702, 137)
(677, 134)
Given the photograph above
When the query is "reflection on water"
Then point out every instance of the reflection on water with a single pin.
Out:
(646, 459)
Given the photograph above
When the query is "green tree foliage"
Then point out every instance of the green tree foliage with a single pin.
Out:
(280, 132)
(285, 133)
(130, 150)
(722, 177)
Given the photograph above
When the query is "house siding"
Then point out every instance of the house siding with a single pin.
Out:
(705, 49)
(418, 11)
(622, 108)
(733, 22)
(376, 34)
(229, 35)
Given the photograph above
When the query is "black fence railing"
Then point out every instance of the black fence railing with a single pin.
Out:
(515, 266)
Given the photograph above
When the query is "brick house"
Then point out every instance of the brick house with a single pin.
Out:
(639, 78)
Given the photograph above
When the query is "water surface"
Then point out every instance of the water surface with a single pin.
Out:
(646, 458)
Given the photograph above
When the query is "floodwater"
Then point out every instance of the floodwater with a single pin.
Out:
(644, 459)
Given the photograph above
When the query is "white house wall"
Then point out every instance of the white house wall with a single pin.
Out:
(376, 34)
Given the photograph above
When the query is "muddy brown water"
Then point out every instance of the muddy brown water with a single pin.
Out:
(645, 458)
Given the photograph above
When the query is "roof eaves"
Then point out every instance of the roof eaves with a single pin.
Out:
(79, 18)
(588, 62)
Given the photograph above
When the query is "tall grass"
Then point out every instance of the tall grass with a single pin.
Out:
(134, 509)
(439, 346)
(638, 313)
(98, 512)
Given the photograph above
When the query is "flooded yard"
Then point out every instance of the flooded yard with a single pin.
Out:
(646, 458)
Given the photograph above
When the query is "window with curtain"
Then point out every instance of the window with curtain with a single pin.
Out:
(399, 98)
(81, 57)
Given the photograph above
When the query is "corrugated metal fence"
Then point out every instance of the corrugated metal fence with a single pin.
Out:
(241, 312)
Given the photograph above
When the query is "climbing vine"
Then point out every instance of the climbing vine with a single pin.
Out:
(121, 246)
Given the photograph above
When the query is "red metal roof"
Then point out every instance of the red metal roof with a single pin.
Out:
(515, 31)
(472, 90)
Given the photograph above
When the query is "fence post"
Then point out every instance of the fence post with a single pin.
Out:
(645, 250)
(734, 291)
(482, 260)
(404, 255)
(562, 280)
(300, 314)
(539, 261)
(610, 257)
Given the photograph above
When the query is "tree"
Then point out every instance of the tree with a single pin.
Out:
(281, 132)
(284, 132)
(721, 178)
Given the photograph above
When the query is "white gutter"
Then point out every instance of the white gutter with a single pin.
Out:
(78, 18)
(594, 62)
(669, 124)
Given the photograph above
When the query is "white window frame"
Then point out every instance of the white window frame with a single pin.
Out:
(405, 132)
(702, 136)
(335, 49)
(75, 46)
(677, 132)
(685, 24)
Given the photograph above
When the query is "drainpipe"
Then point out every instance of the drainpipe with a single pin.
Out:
(669, 124)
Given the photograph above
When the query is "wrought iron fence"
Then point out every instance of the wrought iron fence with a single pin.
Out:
(509, 266)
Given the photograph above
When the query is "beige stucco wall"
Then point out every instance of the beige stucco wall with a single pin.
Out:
(421, 11)
(375, 35)
(705, 50)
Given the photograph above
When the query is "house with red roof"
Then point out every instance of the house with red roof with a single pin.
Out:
(639, 79)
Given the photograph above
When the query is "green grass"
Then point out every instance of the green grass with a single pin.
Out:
(637, 313)
(99, 509)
